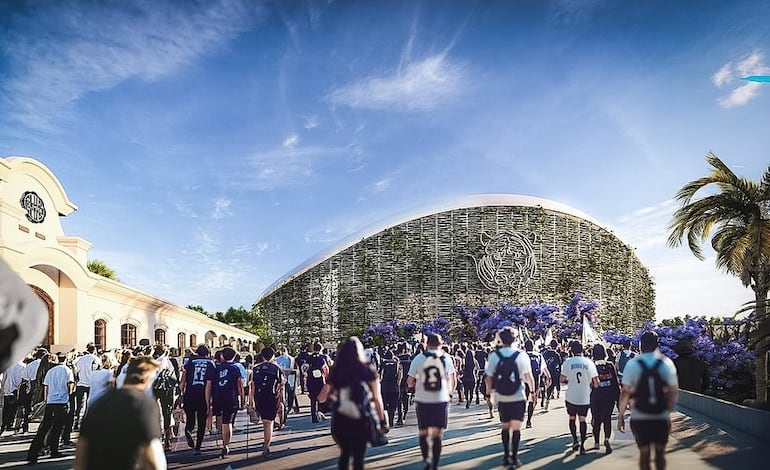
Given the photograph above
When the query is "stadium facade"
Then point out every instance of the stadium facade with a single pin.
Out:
(479, 250)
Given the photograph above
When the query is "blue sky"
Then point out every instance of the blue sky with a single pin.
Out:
(213, 146)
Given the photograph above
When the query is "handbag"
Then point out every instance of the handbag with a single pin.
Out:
(377, 438)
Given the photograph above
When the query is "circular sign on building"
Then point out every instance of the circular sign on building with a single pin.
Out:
(34, 205)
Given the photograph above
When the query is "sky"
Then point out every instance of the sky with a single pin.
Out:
(213, 146)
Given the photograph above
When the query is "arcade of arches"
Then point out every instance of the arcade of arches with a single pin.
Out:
(84, 307)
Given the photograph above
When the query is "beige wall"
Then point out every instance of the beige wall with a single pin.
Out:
(45, 257)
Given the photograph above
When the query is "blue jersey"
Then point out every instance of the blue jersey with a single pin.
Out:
(226, 385)
(197, 372)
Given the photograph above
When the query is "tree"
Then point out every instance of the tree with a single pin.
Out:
(198, 308)
(738, 211)
(100, 267)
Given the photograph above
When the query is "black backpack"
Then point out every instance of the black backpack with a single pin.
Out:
(507, 380)
(552, 361)
(650, 392)
(164, 384)
(266, 380)
(317, 363)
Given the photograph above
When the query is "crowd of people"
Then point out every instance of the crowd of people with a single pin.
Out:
(156, 394)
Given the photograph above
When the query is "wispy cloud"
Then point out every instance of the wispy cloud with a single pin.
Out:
(311, 122)
(61, 51)
(743, 92)
(415, 86)
(291, 141)
(221, 208)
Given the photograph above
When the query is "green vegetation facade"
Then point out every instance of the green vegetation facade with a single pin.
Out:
(481, 250)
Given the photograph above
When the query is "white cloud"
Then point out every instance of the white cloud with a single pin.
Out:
(221, 208)
(741, 94)
(311, 122)
(291, 141)
(416, 86)
(63, 50)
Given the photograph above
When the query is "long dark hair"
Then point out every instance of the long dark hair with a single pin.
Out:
(470, 360)
(348, 365)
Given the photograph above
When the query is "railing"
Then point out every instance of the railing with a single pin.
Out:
(749, 420)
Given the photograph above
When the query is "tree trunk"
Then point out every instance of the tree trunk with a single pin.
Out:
(762, 339)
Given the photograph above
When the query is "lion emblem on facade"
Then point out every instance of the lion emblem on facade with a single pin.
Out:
(508, 263)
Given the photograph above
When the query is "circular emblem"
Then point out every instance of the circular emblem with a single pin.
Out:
(33, 204)
(508, 263)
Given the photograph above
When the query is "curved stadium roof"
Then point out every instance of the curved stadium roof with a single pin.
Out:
(464, 202)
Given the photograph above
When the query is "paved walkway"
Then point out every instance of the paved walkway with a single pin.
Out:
(471, 442)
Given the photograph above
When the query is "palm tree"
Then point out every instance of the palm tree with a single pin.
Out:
(739, 213)
(100, 267)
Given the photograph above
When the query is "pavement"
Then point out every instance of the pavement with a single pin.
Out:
(472, 441)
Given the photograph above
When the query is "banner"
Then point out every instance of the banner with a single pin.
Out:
(548, 337)
(589, 334)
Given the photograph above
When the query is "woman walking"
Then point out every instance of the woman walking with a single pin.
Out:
(469, 375)
(604, 397)
(355, 388)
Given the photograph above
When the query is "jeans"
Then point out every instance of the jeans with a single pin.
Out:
(81, 396)
(10, 404)
(53, 421)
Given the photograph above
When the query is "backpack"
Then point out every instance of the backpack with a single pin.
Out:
(164, 384)
(608, 378)
(534, 360)
(650, 392)
(506, 379)
(405, 361)
(624, 358)
(389, 370)
(318, 369)
(433, 372)
(266, 380)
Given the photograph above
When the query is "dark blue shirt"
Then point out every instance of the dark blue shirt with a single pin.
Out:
(197, 372)
(226, 385)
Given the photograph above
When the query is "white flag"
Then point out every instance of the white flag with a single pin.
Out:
(589, 334)
(548, 337)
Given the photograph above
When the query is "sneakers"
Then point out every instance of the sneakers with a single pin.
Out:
(607, 448)
(575, 445)
(265, 452)
(507, 462)
(197, 451)
(190, 441)
(321, 416)
(596, 445)
(529, 424)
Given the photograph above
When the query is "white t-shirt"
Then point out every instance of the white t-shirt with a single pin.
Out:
(13, 378)
(416, 370)
(633, 373)
(85, 366)
(580, 371)
(57, 379)
(523, 365)
(100, 380)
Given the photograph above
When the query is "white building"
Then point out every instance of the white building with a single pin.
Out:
(84, 307)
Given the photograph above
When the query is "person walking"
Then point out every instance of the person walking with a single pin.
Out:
(355, 387)
(58, 383)
(508, 374)
(289, 368)
(622, 359)
(540, 375)
(228, 394)
(470, 369)
(604, 397)
(405, 360)
(121, 430)
(196, 385)
(11, 385)
(84, 367)
(432, 374)
(267, 395)
(318, 371)
(102, 379)
(692, 372)
(390, 379)
(553, 362)
(651, 380)
(580, 374)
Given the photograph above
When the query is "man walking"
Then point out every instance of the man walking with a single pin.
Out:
(121, 431)
(196, 386)
(553, 362)
(289, 369)
(622, 359)
(318, 371)
(266, 395)
(540, 375)
(228, 393)
(84, 366)
(508, 373)
(651, 380)
(59, 383)
(13, 378)
(579, 373)
(432, 374)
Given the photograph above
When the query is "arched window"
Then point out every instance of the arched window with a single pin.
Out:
(193, 341)
(160, 336)
(181, 342)
(128, 335)
(100, 334)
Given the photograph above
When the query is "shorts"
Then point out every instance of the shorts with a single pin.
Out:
(227, 413)
(432, 415)
(267, 408)
(653, 431)
(511, 411)
(580, 410)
